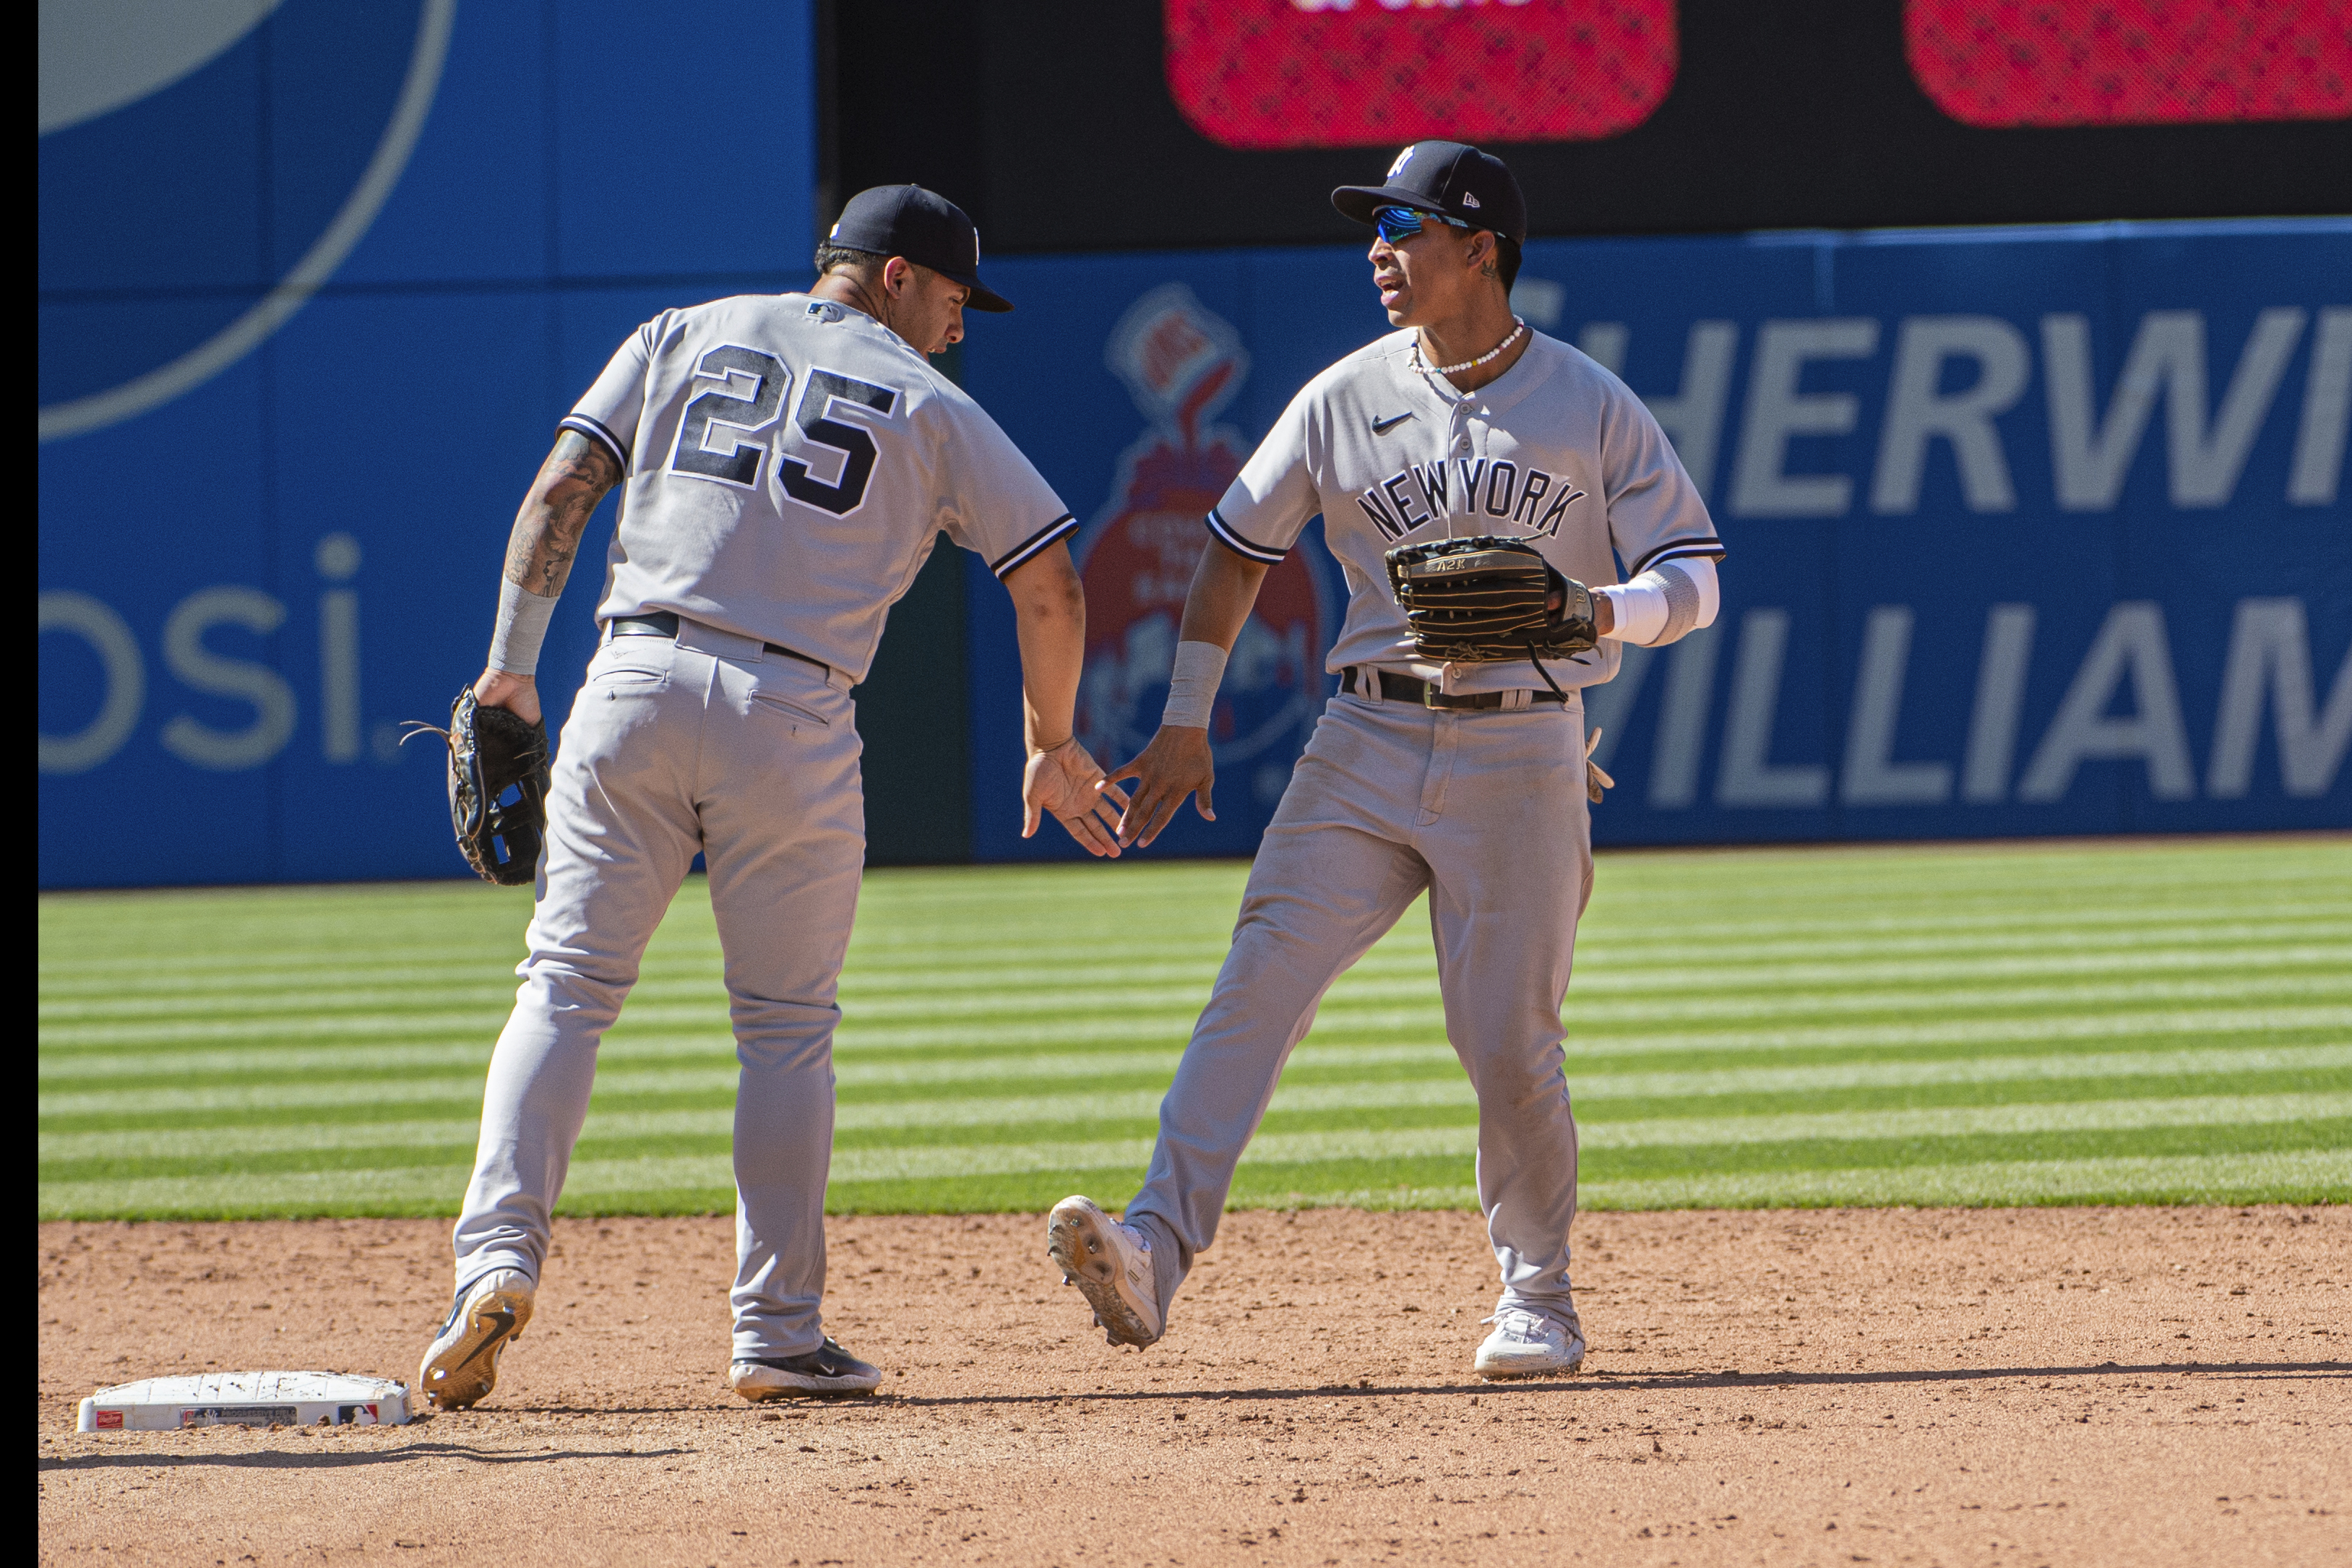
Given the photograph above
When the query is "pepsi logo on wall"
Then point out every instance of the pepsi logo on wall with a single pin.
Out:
(1182, 364)
(205, 167)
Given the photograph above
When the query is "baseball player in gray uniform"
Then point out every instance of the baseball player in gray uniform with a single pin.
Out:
(1466, 781)
(788, 461)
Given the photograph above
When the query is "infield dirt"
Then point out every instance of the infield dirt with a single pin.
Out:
(2060, 1386)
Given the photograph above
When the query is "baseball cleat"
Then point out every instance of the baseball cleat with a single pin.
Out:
(1528, 1344)
(461, 1365)
(1110, 1263)
(826, 1370)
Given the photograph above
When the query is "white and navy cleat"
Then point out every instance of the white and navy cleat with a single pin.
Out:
(1528, 1344)
(461, 1365)
(825, 1372)
(1110, 1263)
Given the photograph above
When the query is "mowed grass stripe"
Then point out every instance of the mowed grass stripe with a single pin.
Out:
(1620, 961)
(422, 991)
(1374, 1092)
(97, 1156)
(1309, 1063)
(2218, 961)
(958, 1055)
(2301, 1176)
(1680, 895)
(701, 1186)
(2306, 974)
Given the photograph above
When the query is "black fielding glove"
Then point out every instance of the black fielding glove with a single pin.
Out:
(1484, 598)
(492, 750)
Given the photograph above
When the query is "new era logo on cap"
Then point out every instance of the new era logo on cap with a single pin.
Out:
(1468, 200)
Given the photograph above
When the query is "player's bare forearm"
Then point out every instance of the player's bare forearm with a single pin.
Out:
(1049, 613)
(1178, 762)
(1224, 590)
(555, 513)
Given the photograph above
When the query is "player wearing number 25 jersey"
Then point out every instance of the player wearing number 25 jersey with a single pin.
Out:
(787, 462)
(806, 540)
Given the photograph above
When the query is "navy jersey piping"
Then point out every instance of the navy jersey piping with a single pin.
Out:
(1223, 531)
(1020, 553)
(589, 427)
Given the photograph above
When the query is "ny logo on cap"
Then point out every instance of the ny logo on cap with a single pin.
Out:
(1402, 159)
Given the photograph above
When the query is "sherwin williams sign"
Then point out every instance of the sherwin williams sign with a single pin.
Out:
(2030, 531)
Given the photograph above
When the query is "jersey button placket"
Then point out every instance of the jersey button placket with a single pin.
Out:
(1459, 416)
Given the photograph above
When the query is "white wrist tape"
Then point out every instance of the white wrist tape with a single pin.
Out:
(1665, 603)
(521, 627)
(1641, 608)
(1193, 689)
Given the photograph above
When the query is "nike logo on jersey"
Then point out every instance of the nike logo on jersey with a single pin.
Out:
(1421, 493)
(1382, 427)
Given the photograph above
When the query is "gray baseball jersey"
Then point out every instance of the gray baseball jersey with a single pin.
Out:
(789, 463)
(1555, 451)
(1484, 811)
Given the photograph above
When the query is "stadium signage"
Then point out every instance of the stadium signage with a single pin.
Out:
(2030, 531)
(2092, 447)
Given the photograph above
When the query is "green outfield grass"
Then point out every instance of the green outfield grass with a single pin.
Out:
(2143, 1023)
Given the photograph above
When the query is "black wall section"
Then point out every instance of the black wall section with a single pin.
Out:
(913, 714)
(906, 103)
(1052, 123)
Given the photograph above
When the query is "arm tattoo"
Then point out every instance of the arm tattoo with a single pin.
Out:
(547, 529)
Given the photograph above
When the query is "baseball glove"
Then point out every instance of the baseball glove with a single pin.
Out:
(1484, 598)
(493, 751)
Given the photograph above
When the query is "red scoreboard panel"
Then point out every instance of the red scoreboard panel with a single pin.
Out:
(1262, 74)
(2004, 63)
(1203, 122)
(1372, 73)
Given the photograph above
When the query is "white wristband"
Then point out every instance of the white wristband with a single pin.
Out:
(1193, 689)
(1641, 609)
(521, 627)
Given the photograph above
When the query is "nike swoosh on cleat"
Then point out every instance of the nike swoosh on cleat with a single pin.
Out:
(505, 1321)
(1382, 427)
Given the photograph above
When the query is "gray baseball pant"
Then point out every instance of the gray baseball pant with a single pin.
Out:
(672, 747)
(1485, 810)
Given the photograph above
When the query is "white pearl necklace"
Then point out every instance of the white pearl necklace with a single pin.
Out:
(1473, 363)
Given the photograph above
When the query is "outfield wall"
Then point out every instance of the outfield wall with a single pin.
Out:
(317, 279)
(2030, 531)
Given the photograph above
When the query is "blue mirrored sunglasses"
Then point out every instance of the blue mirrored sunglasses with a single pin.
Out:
(1402, 223)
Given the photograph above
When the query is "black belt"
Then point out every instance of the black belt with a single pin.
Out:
(1388, 686)
(664, 624)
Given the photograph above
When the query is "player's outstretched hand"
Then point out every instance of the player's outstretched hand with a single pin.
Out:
(1069, 783)
(1177, 763)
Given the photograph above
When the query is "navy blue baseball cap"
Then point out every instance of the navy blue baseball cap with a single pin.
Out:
(1451, 179)
(925, 227)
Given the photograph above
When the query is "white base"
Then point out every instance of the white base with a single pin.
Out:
(246, 1399)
